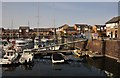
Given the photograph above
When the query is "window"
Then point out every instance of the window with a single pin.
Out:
(115, 34)
(27, 30)
(20, 30)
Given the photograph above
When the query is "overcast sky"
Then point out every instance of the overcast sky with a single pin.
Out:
(64, 13)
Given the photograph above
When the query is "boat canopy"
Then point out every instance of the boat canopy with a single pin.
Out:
(20, 41)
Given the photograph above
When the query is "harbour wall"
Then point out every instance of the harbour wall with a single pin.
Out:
(109, 48)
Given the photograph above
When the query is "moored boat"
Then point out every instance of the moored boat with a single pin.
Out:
(55, 47)
(21, 43)
(78, 53)
(36, 42)
(57, 58)
(27, 56)
(95, 54)
(4, 44)
(9, 57)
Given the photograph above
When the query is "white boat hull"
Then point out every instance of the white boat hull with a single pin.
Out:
(58, 59)
(95, 55)
(26, 57)
(9, 57)
(54, 47)
(5, 61)
(78, 53)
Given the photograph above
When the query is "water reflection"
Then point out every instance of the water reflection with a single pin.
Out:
(76, 66)
(8, 69)
(57, 67)
(14, 67)
(108, 65)
(27, 66)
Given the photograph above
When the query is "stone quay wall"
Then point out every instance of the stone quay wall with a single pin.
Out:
(112, 49)
(82, 45)
(109, 48)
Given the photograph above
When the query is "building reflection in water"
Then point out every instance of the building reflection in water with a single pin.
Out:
(108, 65)
(27, 66)
(91, 67)
(13, 67)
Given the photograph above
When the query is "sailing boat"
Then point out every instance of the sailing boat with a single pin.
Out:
(38, 44)
(55, 45)
(37, 40)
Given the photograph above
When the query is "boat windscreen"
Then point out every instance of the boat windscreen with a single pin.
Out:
(27, 51)
(3, 43)
(57, 57)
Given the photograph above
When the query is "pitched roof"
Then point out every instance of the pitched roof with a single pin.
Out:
(100, 26)
(82, 25)
(114, 20)
(24, 27)
(71, 29)
(65, 25)
(1, 29)
(41, 29)
(11, 30)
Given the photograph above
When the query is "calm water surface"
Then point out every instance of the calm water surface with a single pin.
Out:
(74, 67)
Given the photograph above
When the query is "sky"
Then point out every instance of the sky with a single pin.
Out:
(56, 13)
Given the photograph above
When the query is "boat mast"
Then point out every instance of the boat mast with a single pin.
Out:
(55, 38)
(54, 24)
(28, 23)
(11, 29)
(28, 30)
(38, 21)
(54, 28)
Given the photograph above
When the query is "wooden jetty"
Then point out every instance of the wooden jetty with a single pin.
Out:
(47, 51)
(51, 51)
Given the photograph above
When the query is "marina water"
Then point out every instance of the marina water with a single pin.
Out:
(44, 67)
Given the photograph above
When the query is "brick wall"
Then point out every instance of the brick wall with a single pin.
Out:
(95, 46)
(113, 48)
(109, 48)
(81, 45)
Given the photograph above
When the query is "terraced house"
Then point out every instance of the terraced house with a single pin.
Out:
(113, 28)
(46, 32)
(81, 28)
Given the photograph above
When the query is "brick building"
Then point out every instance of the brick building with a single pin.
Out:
(112, 27)
(24, 31)
(81, 28)
(66, 30)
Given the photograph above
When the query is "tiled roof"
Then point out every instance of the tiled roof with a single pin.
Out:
(11, 30)
(114, 20)
(42, 29)
(64, 26)
(22, 27)
(71, 29)
(100, 26)
(1, 29)
(82, 25)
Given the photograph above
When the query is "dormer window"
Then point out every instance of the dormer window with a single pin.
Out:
(104, 27)
(101, 28)
(86, 28)
(27, 30)
(20, 30)
(98, 28)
